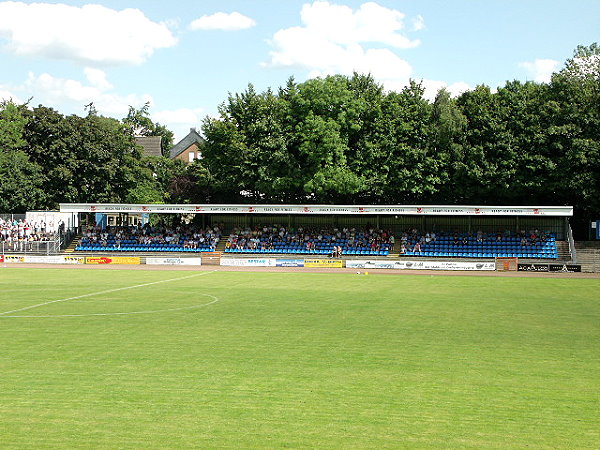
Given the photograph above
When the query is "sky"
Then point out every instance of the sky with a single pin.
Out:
(185, 57)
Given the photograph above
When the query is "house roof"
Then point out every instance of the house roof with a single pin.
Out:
(192, 138)
(150, 144)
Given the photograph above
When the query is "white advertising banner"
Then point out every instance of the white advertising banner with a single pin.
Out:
(174, 261)
(253, 262)
(424, 210)
(41, 259)
(420, 265)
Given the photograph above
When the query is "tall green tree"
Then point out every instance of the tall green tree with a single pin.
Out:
(21, 180)
(574, 112)
(84, 159)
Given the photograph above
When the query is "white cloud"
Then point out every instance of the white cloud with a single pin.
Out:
(97, 78)
(418, 23)
(179, 121)
(332, 38)
(432, 87)
(540, 70)
(223, 21)
(181, 116)
(73, 94)
(369, 23)
(70, 96)
(90, 34)
(6, 95)
(458, 88)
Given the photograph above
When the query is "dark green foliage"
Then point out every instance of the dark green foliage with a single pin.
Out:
(336, 139)
(47, 158)
(345, 140)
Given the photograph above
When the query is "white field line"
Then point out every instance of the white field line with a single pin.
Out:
(215, 300)
(108, 291)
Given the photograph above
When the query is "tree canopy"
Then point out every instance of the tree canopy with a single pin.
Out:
(336, 139)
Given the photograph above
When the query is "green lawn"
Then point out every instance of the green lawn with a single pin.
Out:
(293, 360)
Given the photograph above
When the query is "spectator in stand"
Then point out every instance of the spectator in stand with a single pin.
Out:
(19, 234)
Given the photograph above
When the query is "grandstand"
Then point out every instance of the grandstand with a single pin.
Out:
(148, 239)
(336, 230)
(502, 245)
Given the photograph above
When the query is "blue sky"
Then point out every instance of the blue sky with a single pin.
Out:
(186, 56)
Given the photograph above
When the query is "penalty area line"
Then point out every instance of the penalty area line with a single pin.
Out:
(108, 291)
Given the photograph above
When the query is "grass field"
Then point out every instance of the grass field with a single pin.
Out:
(153, 359)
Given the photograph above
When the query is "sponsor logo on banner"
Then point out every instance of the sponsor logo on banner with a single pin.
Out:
(256, 262)
(14, 259)
(34, 259)
(175, 261)
(322, 209)
(113, 260)
(1, 258)
(532, 267)
(289, 262)
(569, 268)
(127, 260)
(420, 265)
(331, 263)
(564, 268)
(74, 260)
(44, 259)
(366, 264)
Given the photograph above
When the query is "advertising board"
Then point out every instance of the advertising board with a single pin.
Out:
(420, 265)
(569, 268)
(532, 267)
(101, 260)
(419, 210)
(243, 262)
(564, 268)
(289, 262)
(74, 259)
(367, 264)
(174, 261)
(44, 259)
(14, 259)
(1, 258)
(330, 263)
(54, 259)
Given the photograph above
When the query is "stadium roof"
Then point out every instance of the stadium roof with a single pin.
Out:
(425, 210)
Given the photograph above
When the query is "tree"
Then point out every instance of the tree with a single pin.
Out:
(21, 180)
(572, 110)
(84, 159)
(412, 169)
(139, 123)
(448, 128)
(21, 183)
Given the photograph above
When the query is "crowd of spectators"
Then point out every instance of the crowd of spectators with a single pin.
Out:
(333, 241)
(186, 237)
(21, 234)
(416, 241)
(309, 239)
